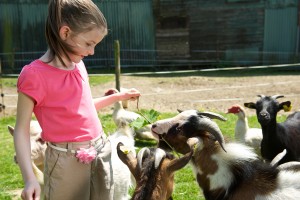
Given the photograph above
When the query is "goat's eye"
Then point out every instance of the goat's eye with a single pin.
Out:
(179, 129)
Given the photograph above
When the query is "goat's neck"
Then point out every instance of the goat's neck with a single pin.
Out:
(270, 129)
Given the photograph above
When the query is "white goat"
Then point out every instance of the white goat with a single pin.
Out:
(244, 134)
(38, 146)
(123, 179)
(229, 171)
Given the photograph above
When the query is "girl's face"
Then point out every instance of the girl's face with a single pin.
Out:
(83, 44)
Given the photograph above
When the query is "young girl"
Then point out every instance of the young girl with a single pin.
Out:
(56, 89)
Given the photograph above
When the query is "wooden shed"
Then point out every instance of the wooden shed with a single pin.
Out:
(228, 32)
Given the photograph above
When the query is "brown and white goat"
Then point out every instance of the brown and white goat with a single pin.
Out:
(234, 174)
(153, 170)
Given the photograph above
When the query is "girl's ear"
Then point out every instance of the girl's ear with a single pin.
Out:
(64, 32)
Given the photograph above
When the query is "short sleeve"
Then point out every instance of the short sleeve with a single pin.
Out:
(31, 84)
(83, 70)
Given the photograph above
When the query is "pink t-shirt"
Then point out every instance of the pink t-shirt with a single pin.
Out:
(63, 102)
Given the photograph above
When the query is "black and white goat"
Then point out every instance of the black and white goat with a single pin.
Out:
(228, 171)
(153, 170)
(277, 136)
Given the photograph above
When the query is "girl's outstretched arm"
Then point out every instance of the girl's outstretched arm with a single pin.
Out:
(120, 96)
(25, 106)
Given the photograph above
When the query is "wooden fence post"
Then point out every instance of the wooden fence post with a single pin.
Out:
(2, 106)
(117, 64)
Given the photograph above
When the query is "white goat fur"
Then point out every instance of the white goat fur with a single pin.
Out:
(38, 146)
(235, 152)
(123, 178)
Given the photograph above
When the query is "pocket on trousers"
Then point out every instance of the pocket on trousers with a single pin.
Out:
(52, 158)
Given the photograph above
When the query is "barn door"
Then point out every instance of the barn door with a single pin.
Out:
(280, 35)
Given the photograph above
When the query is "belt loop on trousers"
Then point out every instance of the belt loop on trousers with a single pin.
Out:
(69, 148)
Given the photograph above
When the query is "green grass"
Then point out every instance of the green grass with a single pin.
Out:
(9, 82)
(10, 176)
(96, 80)
(93, 80)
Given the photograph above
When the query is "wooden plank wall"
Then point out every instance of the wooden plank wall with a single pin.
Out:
(218, 30)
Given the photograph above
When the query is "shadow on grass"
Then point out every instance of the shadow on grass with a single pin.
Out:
(145, 143)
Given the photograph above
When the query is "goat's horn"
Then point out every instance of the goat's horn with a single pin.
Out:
(277, 96)
(212, 115)
(130, 160)
(277, 158)
(38, 173)
(261, 95)
(208, 125)
(159, 155)
(142, 153)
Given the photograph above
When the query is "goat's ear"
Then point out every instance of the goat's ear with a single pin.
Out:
(250, 105)
(128, 159)
(11, 130)
(179, 110)
(286, 106)
(179, 163)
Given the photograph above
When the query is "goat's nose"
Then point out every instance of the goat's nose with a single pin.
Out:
(263, 114)
(154, 125)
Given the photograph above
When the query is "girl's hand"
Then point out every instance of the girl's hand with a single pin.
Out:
(32, 191)
(131, 94)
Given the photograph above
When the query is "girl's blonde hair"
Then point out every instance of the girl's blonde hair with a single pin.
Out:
(80, 15)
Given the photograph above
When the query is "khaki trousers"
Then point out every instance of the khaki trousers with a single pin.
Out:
(68, 179)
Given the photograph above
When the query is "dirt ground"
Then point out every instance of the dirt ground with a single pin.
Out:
(166, 94)
(208, 93)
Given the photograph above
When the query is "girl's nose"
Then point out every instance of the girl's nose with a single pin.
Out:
(91, 51)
